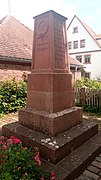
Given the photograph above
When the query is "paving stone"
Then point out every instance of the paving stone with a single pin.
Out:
(100, 174)
(93, 169)
(99, 155)
(91, 175)
(83, 177)
(98, 159)
(96, 163)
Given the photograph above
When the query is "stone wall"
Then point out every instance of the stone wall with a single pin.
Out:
(76, 74)
(8, 71)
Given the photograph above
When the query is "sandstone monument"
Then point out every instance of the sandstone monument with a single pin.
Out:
(51, 121)
(50, 99)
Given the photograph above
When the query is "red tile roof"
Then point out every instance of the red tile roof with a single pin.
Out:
(75, 62)
(15, 39)
(97, 36)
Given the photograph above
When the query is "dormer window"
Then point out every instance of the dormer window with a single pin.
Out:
(75, 29)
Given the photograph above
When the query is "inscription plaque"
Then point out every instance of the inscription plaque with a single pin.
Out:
(59, 44)
(42, 44)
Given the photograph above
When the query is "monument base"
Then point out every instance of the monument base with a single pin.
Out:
(53, 148)
(50, 123)
(68, 153)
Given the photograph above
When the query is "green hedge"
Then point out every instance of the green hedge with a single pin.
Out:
(12, 95)
(90, 83)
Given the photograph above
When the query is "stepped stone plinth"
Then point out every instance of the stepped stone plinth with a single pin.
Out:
(51, 121)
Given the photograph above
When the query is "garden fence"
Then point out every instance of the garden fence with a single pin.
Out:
(89, 97)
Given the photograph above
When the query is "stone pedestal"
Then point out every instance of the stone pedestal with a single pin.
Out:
(50, 103)
(50, 123)
(50, 93)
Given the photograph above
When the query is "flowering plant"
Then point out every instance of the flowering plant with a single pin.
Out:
(20, 163)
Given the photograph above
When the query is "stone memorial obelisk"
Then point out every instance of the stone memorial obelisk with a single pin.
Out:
(50, 121)
(50, 96)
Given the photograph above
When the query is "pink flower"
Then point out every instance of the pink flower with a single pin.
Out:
(37, 159)
(17, 141)
(42, 178)
(9, 141)
(2, 138)
(52, 176)
(12, 137)
(36, 149)
(4, 147)
(52, 173)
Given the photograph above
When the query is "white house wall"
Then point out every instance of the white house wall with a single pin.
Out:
(99, 41)
(96, 65)
(90, 44)
(91, 47)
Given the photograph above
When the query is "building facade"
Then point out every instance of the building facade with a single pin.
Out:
(85, 46)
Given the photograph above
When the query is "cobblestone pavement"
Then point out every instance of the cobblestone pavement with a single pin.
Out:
(93, 171)
(91, 116)
(8, 119)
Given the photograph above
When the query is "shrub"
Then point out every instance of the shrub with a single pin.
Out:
(92, 84)
(12, 95)
(91, 108)
(20, 163)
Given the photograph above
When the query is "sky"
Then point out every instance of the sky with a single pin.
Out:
(88, 11)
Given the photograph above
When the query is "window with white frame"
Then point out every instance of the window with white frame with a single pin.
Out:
(82, 43)
(75, 29)
(87, 59)
(75, 44)
(69, 45)
(79, 58)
